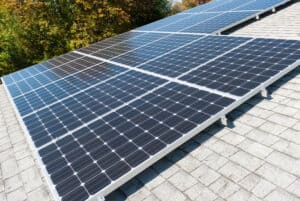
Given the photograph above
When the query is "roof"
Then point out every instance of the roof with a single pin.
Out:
(255, 158)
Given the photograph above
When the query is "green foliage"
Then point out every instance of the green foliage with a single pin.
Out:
(146, 11)
(186, 4)
(11, 53)
(35, 30)
(192, 3)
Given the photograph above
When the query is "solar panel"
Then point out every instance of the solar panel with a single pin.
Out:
(108, 148)
(188, 22)
(163, 22)
(129, 45)
(230, 5)
(183, 60)
(127, 36)
(247, 67)
(98, 116)
(207, 6)
(152, 50)
(97, 128)
(218, 23)
(61, 116)
(261, 5)
(213, 17)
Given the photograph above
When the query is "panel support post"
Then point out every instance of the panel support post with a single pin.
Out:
(257, 17)
(273, 10)
(264, 93)
(224, 121)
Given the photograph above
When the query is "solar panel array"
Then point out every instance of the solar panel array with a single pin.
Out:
(100, 115)
(213, 17)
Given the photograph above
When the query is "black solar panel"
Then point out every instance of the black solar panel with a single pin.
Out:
(110, 42)
(213, 17)
(100, 115)
(64, 115)
(207, 6)
(187, 22)
(219, 22)
(152, 50)
(230, 5)
(188, 57)
(260, 5)
(163, 22)
(110, 147)
(247, 67)
(62, 88)
(129, 45)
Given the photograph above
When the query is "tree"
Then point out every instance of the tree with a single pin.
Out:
(11, 53)
(35, 30)
(192, 3)
(146, 11)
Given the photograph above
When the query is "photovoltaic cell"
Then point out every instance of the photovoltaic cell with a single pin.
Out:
(247, 67)
(110, 147)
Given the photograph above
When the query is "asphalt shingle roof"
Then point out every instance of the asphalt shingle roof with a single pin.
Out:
(255, 158)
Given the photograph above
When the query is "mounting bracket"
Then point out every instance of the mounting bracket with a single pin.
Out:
(224, 120)
(264, 93)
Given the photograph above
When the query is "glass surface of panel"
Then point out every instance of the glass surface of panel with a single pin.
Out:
(109, 148)
(247, 67)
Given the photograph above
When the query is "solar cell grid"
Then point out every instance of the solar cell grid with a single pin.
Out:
(127, 137)
(155, 49)
(185, 59)
(247, 67)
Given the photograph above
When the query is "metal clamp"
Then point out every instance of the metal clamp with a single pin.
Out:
(264, 93)
(224, 121)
